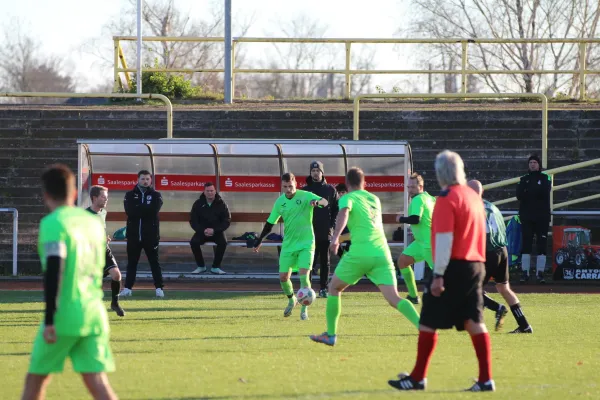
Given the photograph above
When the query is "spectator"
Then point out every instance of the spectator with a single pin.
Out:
(209, 218)
(142, 205)
(533, 193)
(323, 220)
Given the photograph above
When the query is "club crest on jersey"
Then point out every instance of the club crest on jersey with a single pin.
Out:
(149, 197)
(298, 201)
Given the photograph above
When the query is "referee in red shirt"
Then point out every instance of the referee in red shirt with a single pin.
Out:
(454, 296)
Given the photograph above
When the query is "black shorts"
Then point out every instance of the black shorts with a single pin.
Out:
(496, 265)
(461, 300)
(110, 262)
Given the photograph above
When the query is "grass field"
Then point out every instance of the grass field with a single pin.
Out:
(199, 345)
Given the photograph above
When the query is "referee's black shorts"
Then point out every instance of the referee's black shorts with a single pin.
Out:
(496, 265)
(110, 262)
(461, 300)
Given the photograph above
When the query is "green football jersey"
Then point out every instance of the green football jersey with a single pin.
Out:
(80, 239)
(297, 214)
(101, 214)
(365, 223)
(494, 227)
(422, 205)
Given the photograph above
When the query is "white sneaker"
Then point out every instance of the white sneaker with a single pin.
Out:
(199, 270)
(126, 293)
(160, 293)
(217, 271)
(304, 315)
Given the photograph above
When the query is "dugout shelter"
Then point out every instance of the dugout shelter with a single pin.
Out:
(246, 173)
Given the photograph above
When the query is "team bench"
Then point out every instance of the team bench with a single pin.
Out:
(170, 216)
(233, 243)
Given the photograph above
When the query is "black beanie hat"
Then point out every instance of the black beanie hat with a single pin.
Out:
(536, 158)
(318, 165)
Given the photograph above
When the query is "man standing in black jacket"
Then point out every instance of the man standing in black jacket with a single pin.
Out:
(209, 218)
(142, 205)
(323, 219)
(533, 193)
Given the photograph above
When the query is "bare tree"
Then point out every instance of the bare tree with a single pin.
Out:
(23, 68)
(298, 56)
(163, 18)
(511, 19)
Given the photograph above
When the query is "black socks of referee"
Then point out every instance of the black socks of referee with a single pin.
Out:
(517, 312)
(115, 287)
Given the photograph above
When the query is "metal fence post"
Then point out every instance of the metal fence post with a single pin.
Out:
(348, 88)
(233, 69)
(15, 243)
(463, 76)
(582, 51)
(116, 66)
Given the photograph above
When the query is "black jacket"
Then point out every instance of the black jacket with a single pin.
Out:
(215, 216)
(142, 215)
(323, 217)
(533, 193)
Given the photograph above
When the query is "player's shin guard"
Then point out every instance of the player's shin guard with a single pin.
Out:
(483, 349)
(288, 289)
(517, 312)
(115, 287)
(540, 263)
(525, 262)
(409, 278)
(332, 312)
(304, 281)
(408, 310)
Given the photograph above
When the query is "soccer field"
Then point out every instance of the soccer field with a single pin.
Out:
(207, 345)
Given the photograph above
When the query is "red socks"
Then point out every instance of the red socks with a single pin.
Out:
(425, 348)
(483, 349)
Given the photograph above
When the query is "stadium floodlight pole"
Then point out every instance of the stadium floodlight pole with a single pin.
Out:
(227, 90)
(138, 80)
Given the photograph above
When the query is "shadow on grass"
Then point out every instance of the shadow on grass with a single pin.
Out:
(13, 354)
(36, 296)
(166, 309)
(341, 393)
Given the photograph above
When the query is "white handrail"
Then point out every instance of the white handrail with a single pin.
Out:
(15, 213)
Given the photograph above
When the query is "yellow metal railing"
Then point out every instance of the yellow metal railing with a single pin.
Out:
(465, 70)
(553, 172)
(63, 95)
(538, 96)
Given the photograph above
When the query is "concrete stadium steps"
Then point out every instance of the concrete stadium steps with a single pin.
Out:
(494, 144)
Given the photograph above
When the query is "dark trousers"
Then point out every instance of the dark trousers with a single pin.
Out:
(134, 250)
(322, 255)
(540, 230)
(199, 239)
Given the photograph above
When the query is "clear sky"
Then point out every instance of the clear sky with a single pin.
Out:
(62, 26)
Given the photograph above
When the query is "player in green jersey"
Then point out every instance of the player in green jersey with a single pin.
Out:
(369, 255)
(420, 211)
(71, 247)
(298, 247)
(496, 266)
(99, 198)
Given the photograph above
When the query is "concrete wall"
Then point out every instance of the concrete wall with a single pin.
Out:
(494, 144)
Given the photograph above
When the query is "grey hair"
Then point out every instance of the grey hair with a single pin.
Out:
(450, 169)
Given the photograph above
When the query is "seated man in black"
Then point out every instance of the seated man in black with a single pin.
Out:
(209, 218)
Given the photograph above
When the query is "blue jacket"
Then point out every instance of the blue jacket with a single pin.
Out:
(513, 236)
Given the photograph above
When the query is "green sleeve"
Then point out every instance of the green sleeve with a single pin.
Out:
(311, 196)
(274, 216)
(345, 202)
